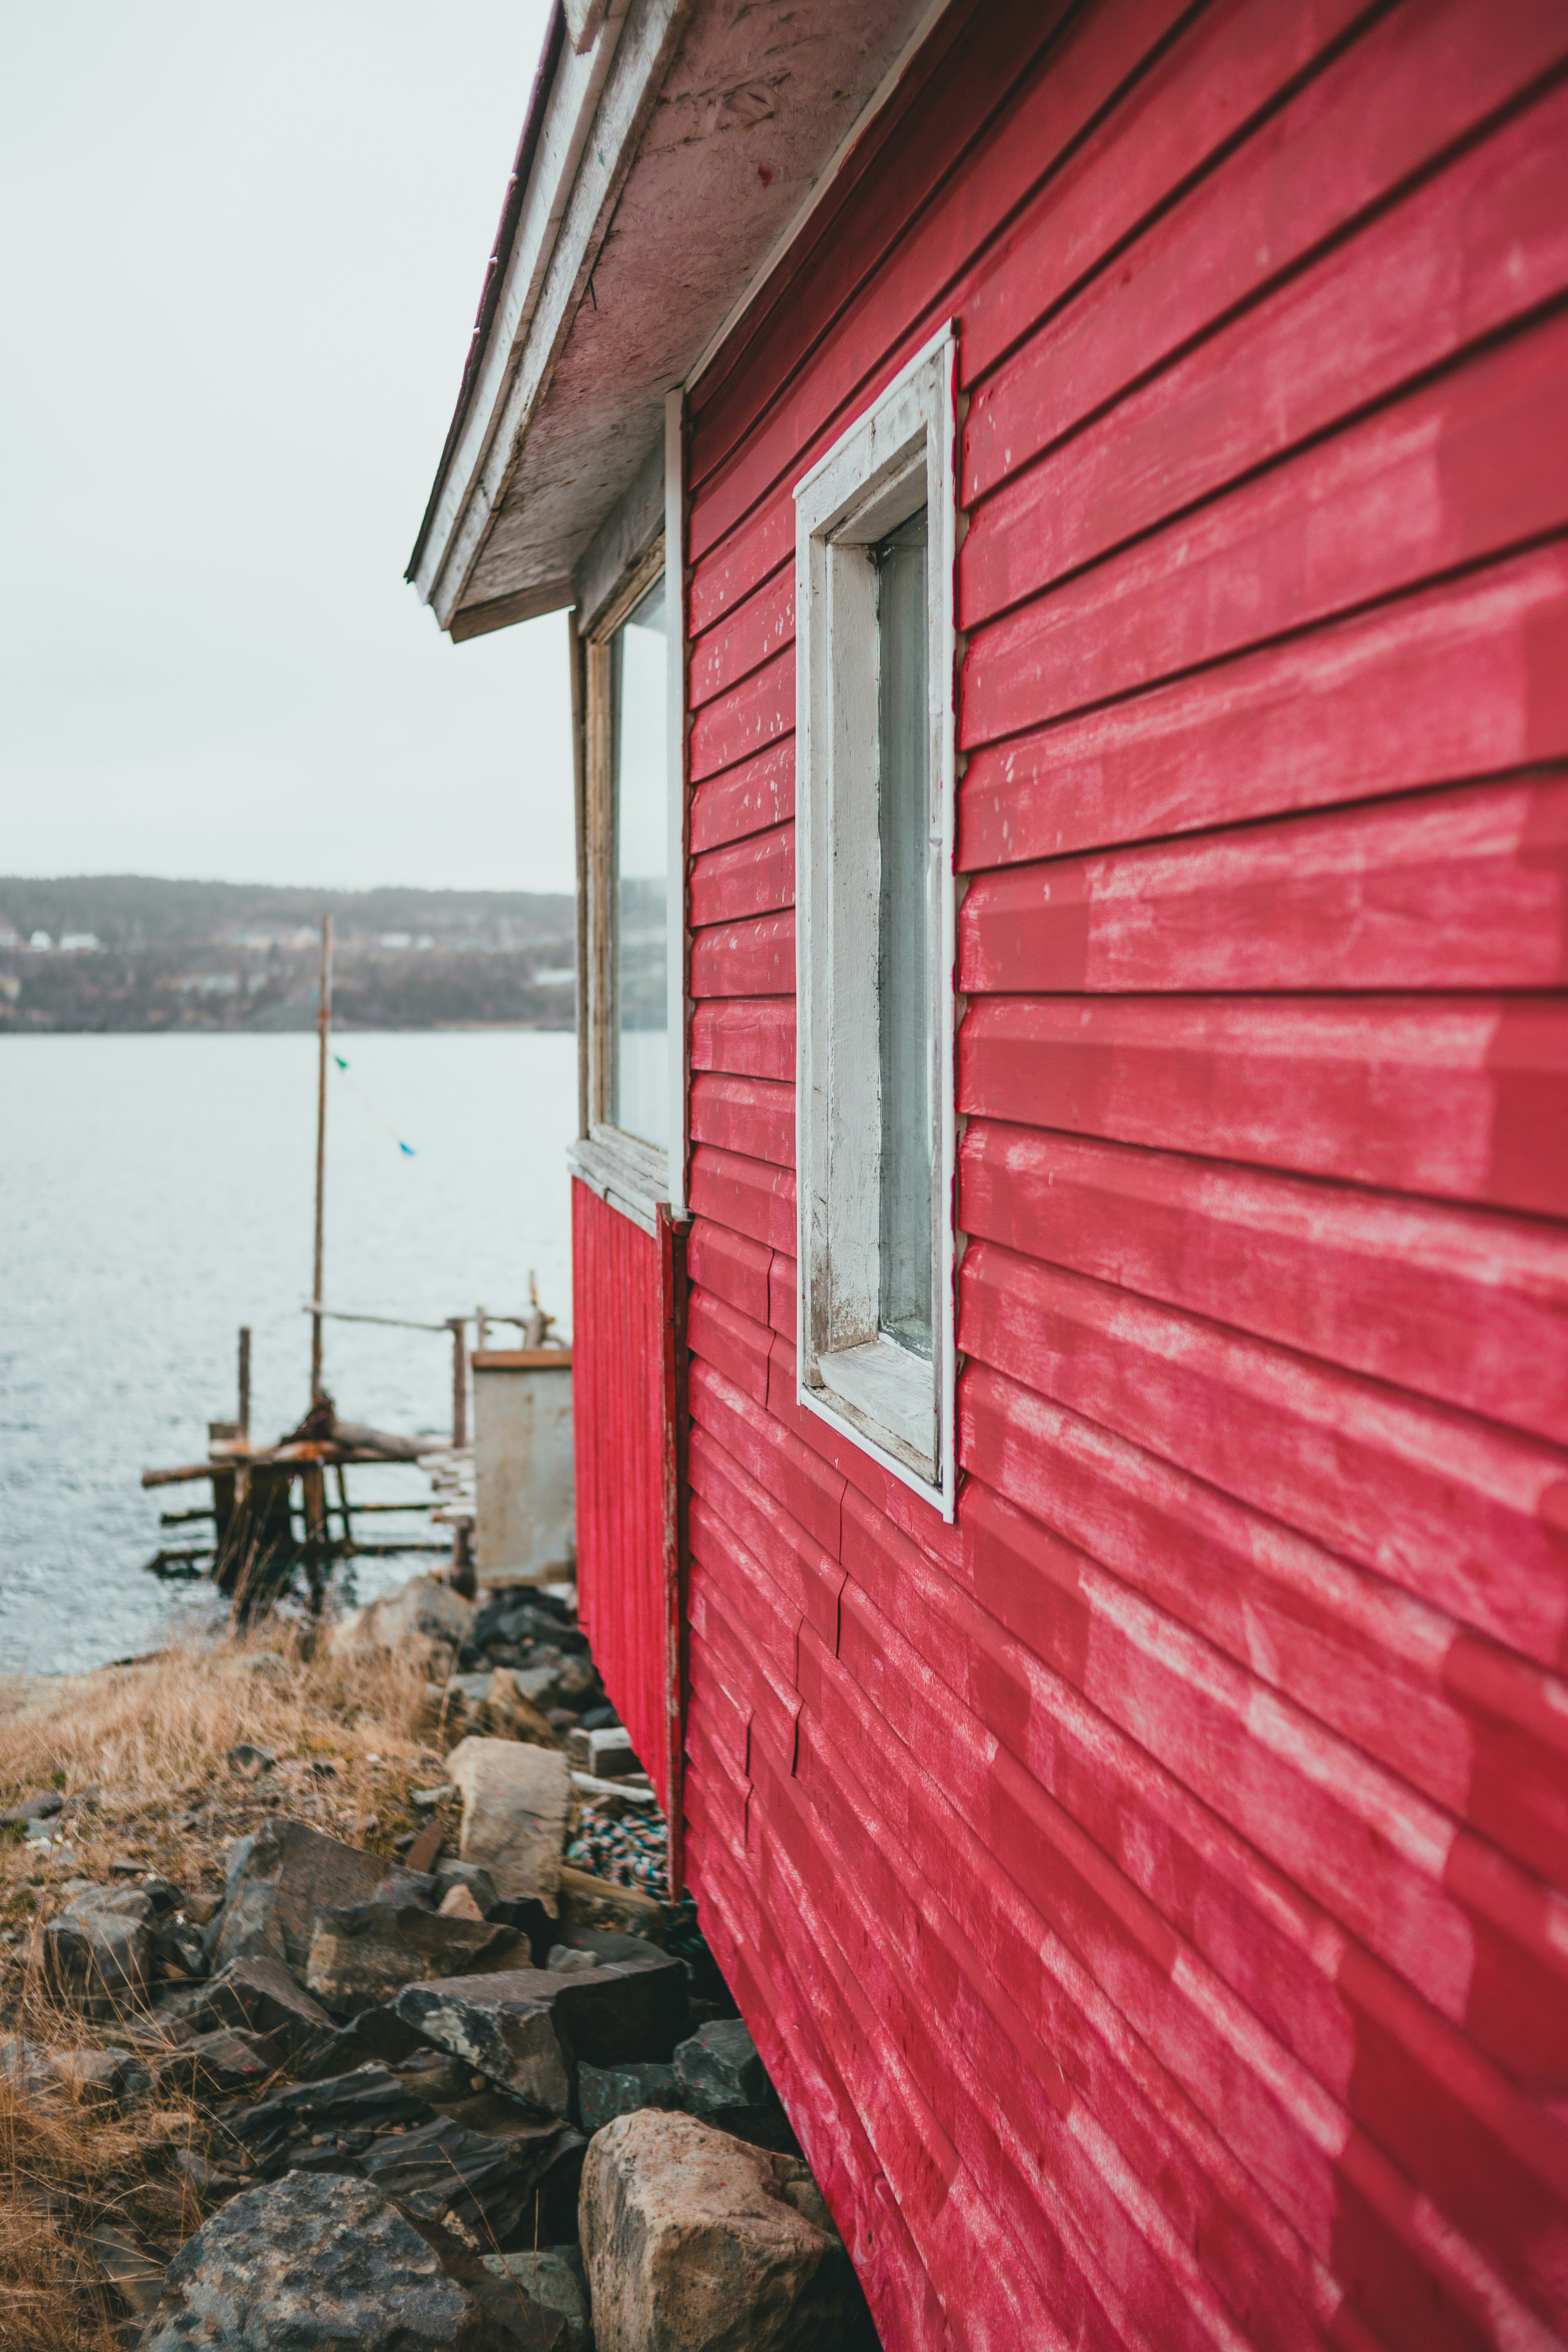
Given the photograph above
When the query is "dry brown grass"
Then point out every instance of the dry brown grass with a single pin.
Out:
(147, 1747)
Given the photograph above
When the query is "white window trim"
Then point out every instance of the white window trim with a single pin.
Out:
(876, 1393)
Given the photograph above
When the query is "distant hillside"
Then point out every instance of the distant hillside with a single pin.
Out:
(130, 952)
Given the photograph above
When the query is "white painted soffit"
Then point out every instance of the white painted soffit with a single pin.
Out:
(663, 166)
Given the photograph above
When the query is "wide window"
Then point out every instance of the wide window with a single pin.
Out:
(875, 921)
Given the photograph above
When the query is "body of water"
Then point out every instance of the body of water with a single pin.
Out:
(156, 1192)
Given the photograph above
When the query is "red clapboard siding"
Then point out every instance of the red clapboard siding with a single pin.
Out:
(1478, 1728)
(1458, 890)
(760, 792)
(751, 1037)
(1457, 472)
(748, 1115)
(746, 638)
(744, 1194)
(1468, 679)
(1148, 1890)
(750, 877)
(1460, 259)
(623, 1439)
(1414, 82)
(1458, 1512)
(1452, 1303)
(752, 959)
(757, 713)
(1463, 1097)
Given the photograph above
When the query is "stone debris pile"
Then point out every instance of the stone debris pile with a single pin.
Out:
(487, 2097)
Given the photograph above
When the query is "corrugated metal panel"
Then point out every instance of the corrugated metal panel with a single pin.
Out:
(1149, 1891)
(623, 1299)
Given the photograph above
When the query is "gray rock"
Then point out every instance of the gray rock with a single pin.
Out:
(324, 2262)
(608, 1755)
(227, 2060)
(343, 2114)
(471, 1875)
(135, 2271)
(606, 2092)
(33, 1809)
(528, 2028)
(722, 2079)
(178, 1945)
(694, 2242)
(248, 1760)
(259, 1994)
(364, 1956)
(98, 1952)
(553, 2277)
(486, 2178)
(282, 1876)
(420, 1610)
(95, 2077)
(516, 1799)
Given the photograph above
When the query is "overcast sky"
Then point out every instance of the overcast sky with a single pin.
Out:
(241, 250)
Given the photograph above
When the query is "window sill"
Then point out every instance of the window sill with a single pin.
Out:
(631, 1176)
(889, 1394)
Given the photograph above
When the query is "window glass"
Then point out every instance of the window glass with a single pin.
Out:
(639, 981)
(904, 992)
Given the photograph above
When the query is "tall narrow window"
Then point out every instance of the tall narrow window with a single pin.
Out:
(639, 1072)
(874, 928)
(904, 976)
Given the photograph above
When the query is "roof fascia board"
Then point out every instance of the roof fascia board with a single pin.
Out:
(826, 178)
(569, 109)
(580, 180)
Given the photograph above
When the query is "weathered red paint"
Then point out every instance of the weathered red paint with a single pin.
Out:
(625, 1434)
(1148, 1891)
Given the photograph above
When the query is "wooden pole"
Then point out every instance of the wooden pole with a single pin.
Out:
(456, 1325)
(323, 1020)
(244, 1383)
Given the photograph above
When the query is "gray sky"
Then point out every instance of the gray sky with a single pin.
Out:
(240, 252)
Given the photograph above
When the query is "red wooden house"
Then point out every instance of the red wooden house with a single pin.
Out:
(1061, 511)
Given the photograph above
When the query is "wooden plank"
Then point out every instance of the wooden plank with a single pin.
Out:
(743, 722)
(1460, 1514)
(754, 1116)
(752, 552)
(1497, 2163)
(730, 1266)
(1457, 889)
(760, 792)
(806, 1488)
(1464, 257)
(755, 877)
(1416, 80)
(1456, 1303)
(1468, 679)
(747, 1196)
(810, 1576)
(1453, 473)
(750, 959)
(752, 633)
(1479, 1729)
(782, 1293)
(750, 1036)
(732, 1341)
(1463, 1097)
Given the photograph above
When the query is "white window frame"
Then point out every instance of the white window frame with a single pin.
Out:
(901, 454)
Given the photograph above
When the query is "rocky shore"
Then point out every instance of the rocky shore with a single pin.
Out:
(342, 2001)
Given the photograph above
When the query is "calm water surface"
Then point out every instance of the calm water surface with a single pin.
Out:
(156, 1192)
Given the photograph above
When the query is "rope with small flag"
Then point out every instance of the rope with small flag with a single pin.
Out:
(366, 1105)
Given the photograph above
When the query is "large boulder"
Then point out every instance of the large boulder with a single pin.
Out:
(364, 1955)
(420, 1610)
(527, 2029)
(324, 2260)
(516, 1799)
(282, 1876)
(97, 1953)
(694, 2242)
